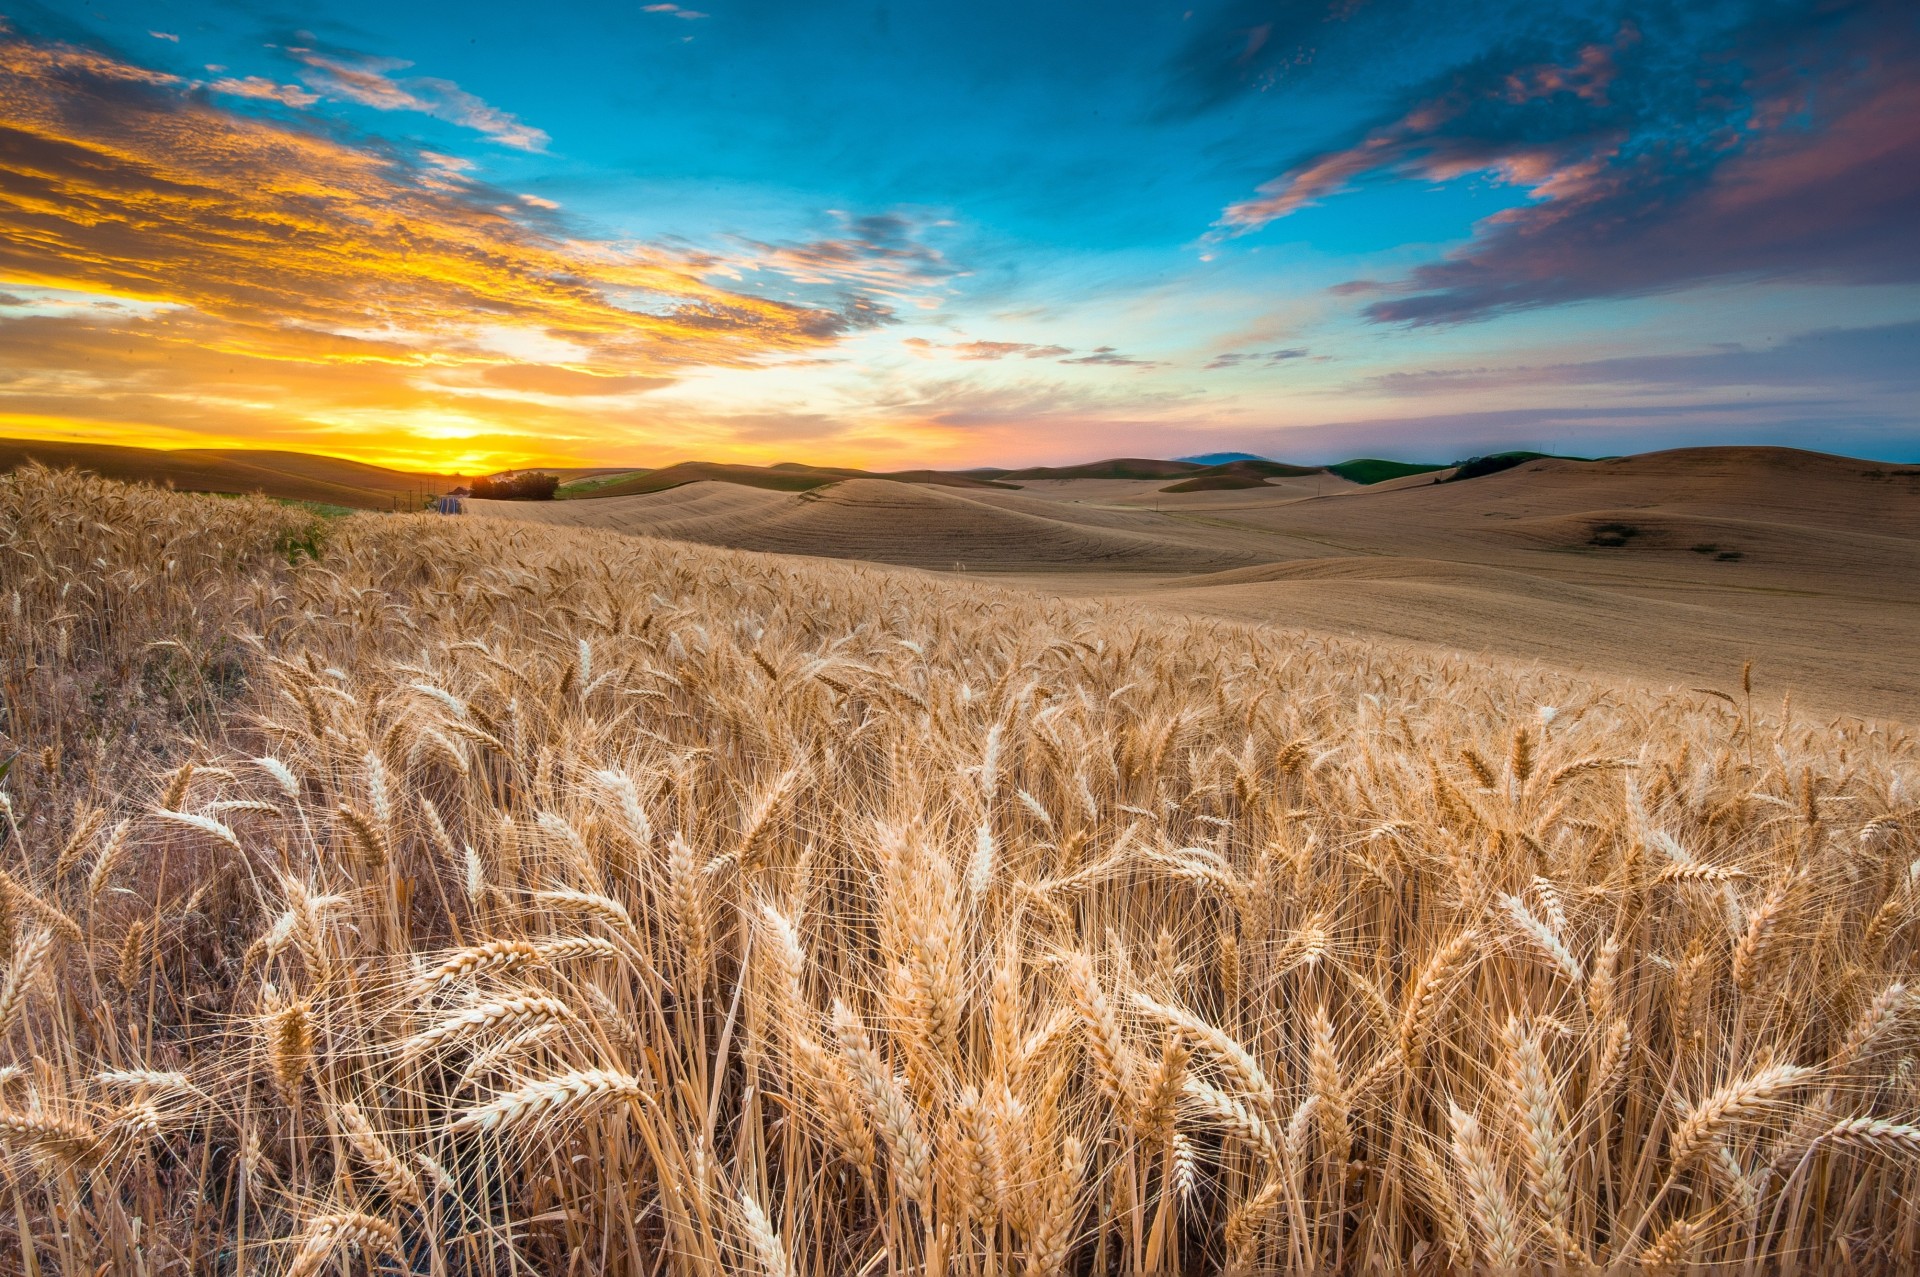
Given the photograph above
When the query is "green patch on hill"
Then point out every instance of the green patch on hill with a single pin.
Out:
(594, 485)
(777, 480)
(1495, 462)
(1370, 470)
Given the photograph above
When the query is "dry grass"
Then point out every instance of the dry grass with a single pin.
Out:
(542, 900)
(293, 476)
(1829, 558)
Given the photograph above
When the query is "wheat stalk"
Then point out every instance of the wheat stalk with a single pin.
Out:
(66, 1141)
(490, 955)
(1735, 1102)
(394, 1174)
(326, 1235)
(549, 1099)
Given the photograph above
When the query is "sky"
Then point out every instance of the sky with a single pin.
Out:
(467, 236)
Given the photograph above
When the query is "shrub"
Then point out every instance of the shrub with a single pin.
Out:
(1613, 534)
(517, 485)
(1480, 467)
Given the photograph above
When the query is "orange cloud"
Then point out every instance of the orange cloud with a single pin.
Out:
(179, 265)
(261, 89)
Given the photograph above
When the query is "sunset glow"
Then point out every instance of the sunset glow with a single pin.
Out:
(899, 239)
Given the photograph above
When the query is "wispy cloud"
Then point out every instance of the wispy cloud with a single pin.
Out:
(881, 253)
(261, 89)
(1484, 117)
(1234, 358)
(1595, 431)
(981, 351)
(674, 11)
(547, 379)
(993, 351)
(1242, 46)
(1884, 358)
(369, 81)
(1110, 357)
(1792, 153)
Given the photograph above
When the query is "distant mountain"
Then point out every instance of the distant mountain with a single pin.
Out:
(1223, 458)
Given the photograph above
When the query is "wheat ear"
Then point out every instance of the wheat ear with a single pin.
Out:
(326, 1234)
(549, 1098)
(394, 1175)
(1727, 1106)
(507, 1013)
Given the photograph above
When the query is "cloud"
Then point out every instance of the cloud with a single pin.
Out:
(122, 185)
(882, 253)
(1658, 157)
(1580, 430)
(1109, 356)
(261, 89)
(978, 351)
(356, 77)
(165, 35)
(1235, 358)
(259, 278)
(988, 351)
(961, 403)
(1883, 359)
(1529, 114)
(674, 10)
(546, 379)
(1257, 45)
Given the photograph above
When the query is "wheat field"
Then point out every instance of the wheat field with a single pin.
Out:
(456, 896)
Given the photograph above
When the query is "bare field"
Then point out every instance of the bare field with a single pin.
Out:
(1670, 568)
(472, 896)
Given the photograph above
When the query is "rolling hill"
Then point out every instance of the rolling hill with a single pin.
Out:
(1370, 470)
(1113, 468)
(1673, 566)
(785, 477)
(916, 525)
(1250, 472)
(293, 476)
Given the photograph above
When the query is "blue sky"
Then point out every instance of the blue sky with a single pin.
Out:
(891, 234)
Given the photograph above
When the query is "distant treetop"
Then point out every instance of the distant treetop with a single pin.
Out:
(517, 485)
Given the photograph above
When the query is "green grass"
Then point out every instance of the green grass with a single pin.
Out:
(589, 486)
(323, 509)
(1376, 470)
